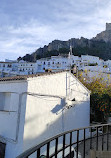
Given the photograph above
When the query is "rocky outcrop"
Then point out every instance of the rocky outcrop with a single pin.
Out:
(98, 46)
(105, 35)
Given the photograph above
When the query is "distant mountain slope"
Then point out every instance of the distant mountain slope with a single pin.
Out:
(98, 46)
(105, 35)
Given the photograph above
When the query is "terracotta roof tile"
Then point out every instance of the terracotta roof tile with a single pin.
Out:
(24, 77)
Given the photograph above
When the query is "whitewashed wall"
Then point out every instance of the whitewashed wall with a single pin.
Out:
(45, 116)
(11, 127)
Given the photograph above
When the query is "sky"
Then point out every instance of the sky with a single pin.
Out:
(26, 25)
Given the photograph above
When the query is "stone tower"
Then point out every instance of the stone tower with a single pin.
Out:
(108, 26)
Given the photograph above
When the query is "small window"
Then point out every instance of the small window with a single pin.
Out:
(5, 98)
(9, 65)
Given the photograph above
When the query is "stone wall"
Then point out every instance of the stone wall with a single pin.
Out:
(108, 26)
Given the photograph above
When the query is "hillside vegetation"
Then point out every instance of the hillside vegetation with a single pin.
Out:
(100, 97)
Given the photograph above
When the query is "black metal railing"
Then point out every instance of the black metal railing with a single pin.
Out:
(75, 143)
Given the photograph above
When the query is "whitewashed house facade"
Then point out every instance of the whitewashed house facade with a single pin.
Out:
(54, 63)
(36, 107)
(26, 68)
(90, 59)
(57, 63)
(8, 68)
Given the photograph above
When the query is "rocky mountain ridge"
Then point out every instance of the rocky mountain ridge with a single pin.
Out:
(97, 46)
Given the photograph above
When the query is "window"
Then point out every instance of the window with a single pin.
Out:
(9, 65)
(5, 98)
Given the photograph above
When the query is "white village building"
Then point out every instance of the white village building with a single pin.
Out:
(34, 108)
(57, 63)
(26, 68)
(8, 68)
(90, 59)
(54, 63)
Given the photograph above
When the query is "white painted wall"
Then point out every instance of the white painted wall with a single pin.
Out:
(45, 116)
(42, 115)
(11, 126)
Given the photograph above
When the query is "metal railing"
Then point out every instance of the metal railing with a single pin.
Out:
(78, 140)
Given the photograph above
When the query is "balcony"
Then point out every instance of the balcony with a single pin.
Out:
(78, 143)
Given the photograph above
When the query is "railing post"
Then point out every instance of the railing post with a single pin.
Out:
(90, 138)
(48, 147)
(70, 142)
(38, 153)
(84, 145)
(63, 145)
(102, 138)
(77, 142)
(96, 138)
(56, 147)
(107, 137)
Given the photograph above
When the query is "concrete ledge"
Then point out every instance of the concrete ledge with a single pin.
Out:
(100, 154)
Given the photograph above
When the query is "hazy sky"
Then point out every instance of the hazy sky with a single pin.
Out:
(26, 25)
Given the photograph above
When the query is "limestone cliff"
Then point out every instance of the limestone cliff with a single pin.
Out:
(105, 35)
(99, 46)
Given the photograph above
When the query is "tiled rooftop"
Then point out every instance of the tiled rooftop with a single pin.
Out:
(24, 77)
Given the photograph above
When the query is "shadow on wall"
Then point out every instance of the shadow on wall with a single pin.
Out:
(72, 118)
(59, 107)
